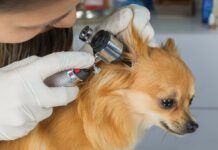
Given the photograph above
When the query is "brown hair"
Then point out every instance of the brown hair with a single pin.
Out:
(54, 40)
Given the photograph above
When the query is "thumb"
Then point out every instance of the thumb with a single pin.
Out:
(61, 61)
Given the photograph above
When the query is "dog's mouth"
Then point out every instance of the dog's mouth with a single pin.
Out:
(166, 127)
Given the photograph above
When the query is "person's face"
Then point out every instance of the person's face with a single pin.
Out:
(23, 26)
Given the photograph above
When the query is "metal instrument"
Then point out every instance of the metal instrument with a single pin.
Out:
(105, 47)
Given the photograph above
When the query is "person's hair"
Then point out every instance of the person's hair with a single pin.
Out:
(54, 40)
(20, 5)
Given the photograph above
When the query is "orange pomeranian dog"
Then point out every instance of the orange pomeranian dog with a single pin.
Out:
(116, 106)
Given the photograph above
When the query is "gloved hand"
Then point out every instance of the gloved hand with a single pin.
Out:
(24, 98)
(120, 20)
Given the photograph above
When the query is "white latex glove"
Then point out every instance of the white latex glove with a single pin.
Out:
(24, 98)
(120, 20)
(141, 22)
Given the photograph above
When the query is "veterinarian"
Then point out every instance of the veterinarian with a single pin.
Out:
(24, 98)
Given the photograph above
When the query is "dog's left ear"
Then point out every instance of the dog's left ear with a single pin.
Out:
(170, 47)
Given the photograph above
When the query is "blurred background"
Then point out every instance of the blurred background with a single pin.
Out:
(192, 23)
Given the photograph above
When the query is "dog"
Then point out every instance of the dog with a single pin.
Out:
(115, 107)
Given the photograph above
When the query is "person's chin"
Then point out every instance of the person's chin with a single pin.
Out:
(46, 29)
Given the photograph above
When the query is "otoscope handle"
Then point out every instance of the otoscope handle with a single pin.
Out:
(67, 78)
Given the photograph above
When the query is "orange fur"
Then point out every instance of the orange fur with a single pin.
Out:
(115, 107)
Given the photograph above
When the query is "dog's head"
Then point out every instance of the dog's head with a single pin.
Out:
(157, 90)
(163, 87)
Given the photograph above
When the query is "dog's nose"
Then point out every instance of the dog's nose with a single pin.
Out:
(192, 127)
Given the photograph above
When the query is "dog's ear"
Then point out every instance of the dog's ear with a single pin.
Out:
(136, 45)
(170, 47)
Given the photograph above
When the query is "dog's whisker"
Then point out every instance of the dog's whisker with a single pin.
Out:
(164, 136)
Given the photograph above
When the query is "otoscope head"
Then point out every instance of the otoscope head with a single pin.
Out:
(104, 44)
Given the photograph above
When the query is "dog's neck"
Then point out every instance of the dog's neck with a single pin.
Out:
(107, 113)
(113, 124)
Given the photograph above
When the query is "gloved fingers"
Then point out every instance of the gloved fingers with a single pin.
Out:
(147, 32)
(141, 22)
(36, 114)
(61, 61)
(143, 11)
(60, 96)
(141, 16)
(21, 63)
(4, 136)
(87, 48)
(72, 93)
(12, 133)
(117, 22)
(15, 118)
(24, 115)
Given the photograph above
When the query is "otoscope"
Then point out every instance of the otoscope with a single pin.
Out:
(106, 48)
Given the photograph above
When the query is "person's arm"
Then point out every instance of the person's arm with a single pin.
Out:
(24, 98)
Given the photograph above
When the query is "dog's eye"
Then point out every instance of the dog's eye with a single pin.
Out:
(168, 103)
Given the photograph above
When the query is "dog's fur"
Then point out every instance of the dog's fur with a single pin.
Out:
(115, 107)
